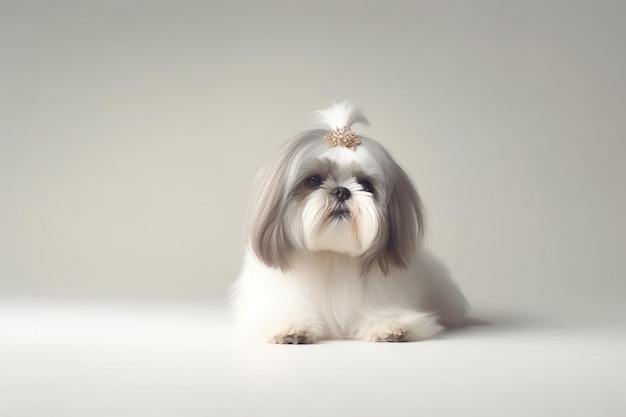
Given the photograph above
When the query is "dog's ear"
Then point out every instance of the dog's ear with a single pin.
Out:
(267, 234)
(405, 222)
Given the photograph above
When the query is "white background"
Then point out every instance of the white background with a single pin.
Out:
(130, 133)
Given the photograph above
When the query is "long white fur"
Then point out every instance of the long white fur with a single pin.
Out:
(340, 115)
(328, 299)
(325, 293)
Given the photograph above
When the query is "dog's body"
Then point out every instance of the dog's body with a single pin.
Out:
(334, 246)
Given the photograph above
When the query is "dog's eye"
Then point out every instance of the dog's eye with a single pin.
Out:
(367, 186)
(313, 181)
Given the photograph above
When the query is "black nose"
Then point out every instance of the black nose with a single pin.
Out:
(341, 193)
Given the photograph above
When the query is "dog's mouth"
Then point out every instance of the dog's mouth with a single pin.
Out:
(340, 214)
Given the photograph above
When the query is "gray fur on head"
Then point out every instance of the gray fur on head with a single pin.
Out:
(276, 224)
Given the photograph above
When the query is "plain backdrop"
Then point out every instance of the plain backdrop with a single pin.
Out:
(131, 131)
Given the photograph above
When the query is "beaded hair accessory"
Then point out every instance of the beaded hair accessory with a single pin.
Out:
(342, 136)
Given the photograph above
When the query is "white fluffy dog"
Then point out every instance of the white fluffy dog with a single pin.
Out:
(333, 252)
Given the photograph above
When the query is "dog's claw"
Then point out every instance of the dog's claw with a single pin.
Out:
(295, 339)
(394, 337)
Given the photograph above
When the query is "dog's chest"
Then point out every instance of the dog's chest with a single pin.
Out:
(336, 290)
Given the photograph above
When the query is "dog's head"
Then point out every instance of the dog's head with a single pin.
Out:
(330, 190)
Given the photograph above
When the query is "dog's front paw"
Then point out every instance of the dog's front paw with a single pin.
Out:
(292, 339)
(294, 336)
(384, 331)
(398, 335)
(405, 328)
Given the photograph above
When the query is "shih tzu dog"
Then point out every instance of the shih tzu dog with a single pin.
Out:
(334, 252)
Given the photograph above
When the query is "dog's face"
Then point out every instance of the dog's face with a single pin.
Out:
(311, 198)
(338, 203)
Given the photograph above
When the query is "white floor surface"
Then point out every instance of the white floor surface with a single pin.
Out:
(147, 360)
